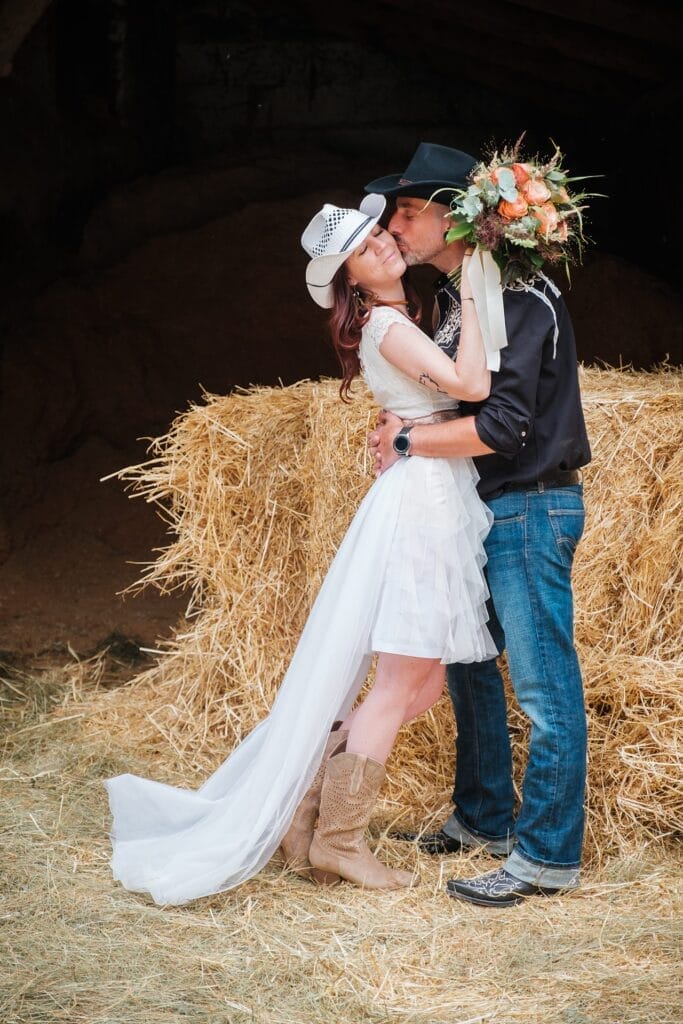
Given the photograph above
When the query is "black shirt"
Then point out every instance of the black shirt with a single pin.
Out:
(533, 418)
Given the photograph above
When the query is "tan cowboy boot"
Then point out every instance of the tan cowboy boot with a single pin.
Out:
(350, 788)
(296, 842)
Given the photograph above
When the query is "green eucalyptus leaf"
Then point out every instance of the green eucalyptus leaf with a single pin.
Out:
(522, 228)
(506, 184)
(458, 231)
(490, 192)
(529, 223)
(472, 206)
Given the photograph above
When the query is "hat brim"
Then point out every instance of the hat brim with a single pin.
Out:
(321, 269)
(393, 185)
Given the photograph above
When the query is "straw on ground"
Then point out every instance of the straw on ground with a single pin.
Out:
(258, 488)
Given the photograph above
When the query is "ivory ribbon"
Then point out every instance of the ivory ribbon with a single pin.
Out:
(487, 292)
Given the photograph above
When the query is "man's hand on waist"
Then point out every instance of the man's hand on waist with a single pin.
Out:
(380, 441)
(453, 439)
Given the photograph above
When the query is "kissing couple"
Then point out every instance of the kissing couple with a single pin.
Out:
(461, 549)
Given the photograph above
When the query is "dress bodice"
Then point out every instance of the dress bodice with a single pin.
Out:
(391, 388)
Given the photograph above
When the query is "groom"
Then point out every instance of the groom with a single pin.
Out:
(528, 440)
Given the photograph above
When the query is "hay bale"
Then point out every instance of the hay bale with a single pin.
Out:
(258, 488)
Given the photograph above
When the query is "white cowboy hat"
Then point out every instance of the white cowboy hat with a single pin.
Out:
(331, 237)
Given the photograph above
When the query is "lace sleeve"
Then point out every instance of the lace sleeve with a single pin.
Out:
(381, 319)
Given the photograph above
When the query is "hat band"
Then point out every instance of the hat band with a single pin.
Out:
(355, 234)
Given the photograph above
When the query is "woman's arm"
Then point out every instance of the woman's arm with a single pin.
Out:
(420, 359)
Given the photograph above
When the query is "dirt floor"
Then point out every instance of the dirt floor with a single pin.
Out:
(60, 590)
(75, 546)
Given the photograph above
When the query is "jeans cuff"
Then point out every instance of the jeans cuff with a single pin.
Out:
(469, 840)
(544, 875)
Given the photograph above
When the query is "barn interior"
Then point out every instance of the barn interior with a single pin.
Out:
(158, 163)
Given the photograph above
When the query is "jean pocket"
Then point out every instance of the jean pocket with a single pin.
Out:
(512, 517)
(567, 526)
(505, 544)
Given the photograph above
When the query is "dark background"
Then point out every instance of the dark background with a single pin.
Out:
(158, 162)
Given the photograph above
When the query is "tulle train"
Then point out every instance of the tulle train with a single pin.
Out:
(407, 578)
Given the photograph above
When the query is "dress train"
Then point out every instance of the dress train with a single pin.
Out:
(407, 578)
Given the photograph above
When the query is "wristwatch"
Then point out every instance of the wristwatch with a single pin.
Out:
(401, 442)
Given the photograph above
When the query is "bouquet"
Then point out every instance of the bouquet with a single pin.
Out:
(522, 212)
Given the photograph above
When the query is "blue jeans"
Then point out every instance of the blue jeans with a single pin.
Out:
(530, 551)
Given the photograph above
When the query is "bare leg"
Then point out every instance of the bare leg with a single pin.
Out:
(403, 687)
(428, 694)
(425, 698)
(399, 684)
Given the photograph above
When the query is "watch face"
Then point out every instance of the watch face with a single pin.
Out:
(401, 443)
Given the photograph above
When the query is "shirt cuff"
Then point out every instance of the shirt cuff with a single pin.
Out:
(507, 437)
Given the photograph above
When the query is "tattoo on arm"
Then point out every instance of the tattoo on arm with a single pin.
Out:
(430, 383)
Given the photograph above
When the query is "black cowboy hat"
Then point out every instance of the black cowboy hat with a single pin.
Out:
(432, 167)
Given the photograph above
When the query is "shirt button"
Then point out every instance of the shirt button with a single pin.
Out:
(523, 433)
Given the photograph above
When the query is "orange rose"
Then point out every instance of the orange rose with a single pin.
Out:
(547, 217)
(561, 195)
(513, 210)
(522, 173)
(536, 192)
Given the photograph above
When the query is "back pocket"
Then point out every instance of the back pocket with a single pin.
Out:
(567, 526)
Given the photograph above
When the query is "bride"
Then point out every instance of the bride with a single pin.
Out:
(406, 583)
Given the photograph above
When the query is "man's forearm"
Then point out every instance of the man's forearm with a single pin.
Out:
(452, 439)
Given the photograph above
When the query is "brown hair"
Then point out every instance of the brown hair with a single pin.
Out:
(350, 312)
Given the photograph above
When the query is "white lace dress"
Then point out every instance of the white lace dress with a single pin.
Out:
(407, 579)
